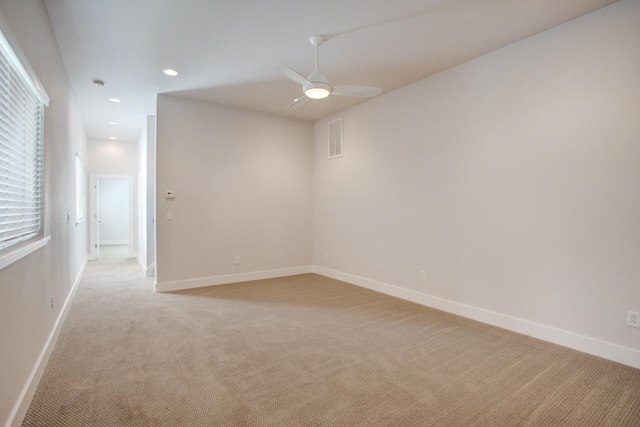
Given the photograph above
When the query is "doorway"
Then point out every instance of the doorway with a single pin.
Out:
(111, 214)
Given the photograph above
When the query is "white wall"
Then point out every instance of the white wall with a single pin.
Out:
(243, 184)
(142, 199)
(147, 150)
(112, 157)
(512, 180)
(121, 158)
(151, 196)
(114, 211)
(27, 320)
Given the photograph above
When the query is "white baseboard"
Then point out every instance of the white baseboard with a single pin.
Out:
(593, 346)
(229, 278)
(113, 242)
(20, 409)
(150, 270)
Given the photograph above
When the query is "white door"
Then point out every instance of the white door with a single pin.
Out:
(95, 212)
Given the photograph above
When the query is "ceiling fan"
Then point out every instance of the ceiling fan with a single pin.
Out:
(317, 86)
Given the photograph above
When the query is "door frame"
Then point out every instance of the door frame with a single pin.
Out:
(93, 225)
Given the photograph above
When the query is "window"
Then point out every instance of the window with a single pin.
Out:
(80, 204)
(22, 103)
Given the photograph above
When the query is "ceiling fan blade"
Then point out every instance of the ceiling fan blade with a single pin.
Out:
(357, 91)
(293, 75)
(298, 102)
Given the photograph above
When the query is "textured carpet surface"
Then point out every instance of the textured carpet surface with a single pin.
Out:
(307, 351)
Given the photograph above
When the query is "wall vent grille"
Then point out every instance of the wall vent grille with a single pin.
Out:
(335, 138)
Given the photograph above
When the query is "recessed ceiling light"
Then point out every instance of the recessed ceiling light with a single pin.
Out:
(114, 100)
(113, 123)
(170, 72)
(112, 138)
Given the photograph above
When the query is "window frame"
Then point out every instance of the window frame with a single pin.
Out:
(81, 205)
(19, 63)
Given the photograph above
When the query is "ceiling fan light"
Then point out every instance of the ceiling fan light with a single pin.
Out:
(318, 88)
(317, 92)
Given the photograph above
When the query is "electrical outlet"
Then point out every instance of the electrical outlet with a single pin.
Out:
(423, 275)
(51, 302)
(326, 255)
(236, 261)
(633, 319)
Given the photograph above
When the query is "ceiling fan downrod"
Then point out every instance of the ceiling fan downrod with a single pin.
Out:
(320, 87)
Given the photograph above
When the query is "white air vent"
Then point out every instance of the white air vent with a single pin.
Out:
(335, 138)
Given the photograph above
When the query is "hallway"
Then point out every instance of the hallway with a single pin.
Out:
(92, 353)
(114, 253)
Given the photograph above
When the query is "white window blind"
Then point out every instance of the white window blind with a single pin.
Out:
(22, 104)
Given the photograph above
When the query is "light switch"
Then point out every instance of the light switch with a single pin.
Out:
(169, 216)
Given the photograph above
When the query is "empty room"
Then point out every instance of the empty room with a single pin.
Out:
(348, 213)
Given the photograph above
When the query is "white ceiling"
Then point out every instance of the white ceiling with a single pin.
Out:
(225, 50)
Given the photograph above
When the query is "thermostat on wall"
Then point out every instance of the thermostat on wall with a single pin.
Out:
(170, 195)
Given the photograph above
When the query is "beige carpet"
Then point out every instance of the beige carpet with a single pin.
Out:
(307, 351)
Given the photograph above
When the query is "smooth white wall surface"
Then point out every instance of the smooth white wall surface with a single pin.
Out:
(27, 320)
(512, 180)
(142, 198)
(151, 196)
(107, 157)
(146, 196)
(114, 211)
(243, 183)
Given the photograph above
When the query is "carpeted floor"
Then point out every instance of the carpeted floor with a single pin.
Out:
(307, 351)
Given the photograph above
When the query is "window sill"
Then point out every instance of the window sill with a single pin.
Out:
(13, 254)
